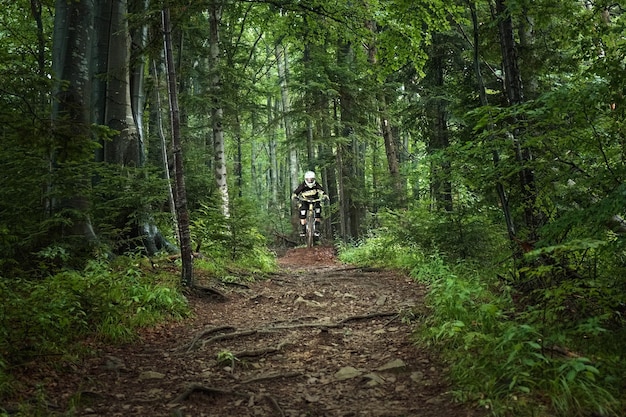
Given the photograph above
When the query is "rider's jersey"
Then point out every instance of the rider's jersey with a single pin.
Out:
(307, 193)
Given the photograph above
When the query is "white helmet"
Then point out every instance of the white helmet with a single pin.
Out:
(309, 178)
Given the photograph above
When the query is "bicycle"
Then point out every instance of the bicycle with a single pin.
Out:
(310, 220)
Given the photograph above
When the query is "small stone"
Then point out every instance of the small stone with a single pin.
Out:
(347, 372)
(374, 379)
(417, 376)
(150, 375)
(395, 364)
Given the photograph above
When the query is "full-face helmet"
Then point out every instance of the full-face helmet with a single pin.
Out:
(309, 179)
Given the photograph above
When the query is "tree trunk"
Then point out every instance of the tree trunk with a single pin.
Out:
(217, 112)
(482, 93)
(391, 150)
(273, 158)
(157, 122)
(514, 94)
(123, 149)
(281, 64)
(139, 36)
(238, 168)
(349, 164)
(181, 193)
(73, 28)
(393, 163)
(436, 110)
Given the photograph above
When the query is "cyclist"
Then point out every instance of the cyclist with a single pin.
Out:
(309, 189)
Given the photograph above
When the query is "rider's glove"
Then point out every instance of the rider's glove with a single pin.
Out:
(294, 197)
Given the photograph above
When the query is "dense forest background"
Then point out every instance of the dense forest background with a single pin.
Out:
(479, 145)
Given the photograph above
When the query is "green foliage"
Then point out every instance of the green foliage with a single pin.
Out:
(236, 239)
(107, 300)
(506, 361)
(556, 357)
(380, 251)
(226, 357)
(123, 199)
(460, 234)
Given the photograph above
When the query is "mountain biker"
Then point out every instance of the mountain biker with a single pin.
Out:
(309, 189)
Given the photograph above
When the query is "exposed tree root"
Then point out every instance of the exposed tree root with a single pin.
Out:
(197, 388)
(210, 293)
(341, 277)
(225, 336)
(369, 316)
(275, 405)
(273, 327)
(260, 352)
(207, 332)
(235, 284)
(271, 376)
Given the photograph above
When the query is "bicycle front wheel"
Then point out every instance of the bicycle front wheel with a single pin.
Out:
(310, 227)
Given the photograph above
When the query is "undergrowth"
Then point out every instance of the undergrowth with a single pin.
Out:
(509, 355)
(108, 301)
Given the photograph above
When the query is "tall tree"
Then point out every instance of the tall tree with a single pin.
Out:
(515, 96)
(437, 115)
(73, 30)
(181, 192)
(123, 148)
(482, 93)
(217, 110)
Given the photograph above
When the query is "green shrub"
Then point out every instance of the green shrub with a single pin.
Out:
(502, 354)
(460, 234)
(505, 360)
(40, 317)
(233, 240)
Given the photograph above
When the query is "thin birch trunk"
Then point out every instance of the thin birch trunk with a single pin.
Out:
(164, 156)
(181, 193)
(217, 112)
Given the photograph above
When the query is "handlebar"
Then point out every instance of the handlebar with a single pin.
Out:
(305, 200)
(324, 197)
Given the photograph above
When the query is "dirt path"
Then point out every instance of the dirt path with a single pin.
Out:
(317, 339)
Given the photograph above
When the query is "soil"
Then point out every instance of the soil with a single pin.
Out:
(317, 338)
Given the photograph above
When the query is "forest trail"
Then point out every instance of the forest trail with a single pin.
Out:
(316, 339)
